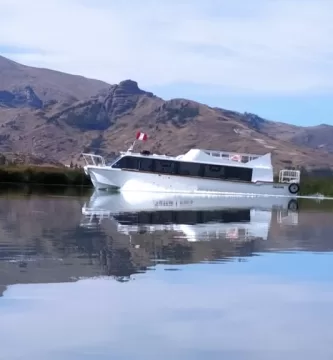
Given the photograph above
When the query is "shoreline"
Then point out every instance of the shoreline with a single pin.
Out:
(43, 175)
(48, 176)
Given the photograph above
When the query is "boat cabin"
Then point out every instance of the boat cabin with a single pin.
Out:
(201, 163)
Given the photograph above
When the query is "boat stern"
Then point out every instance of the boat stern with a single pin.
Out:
(291, 177)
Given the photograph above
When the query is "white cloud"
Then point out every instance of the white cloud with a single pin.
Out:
(265, 46)
(206, 314)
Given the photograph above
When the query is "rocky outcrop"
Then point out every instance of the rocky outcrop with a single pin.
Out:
(6, 98)
(85, 115)
(32, 99)
(101, 112)
(123, 98)
(254, 121)
(177, 111)
(25, 97)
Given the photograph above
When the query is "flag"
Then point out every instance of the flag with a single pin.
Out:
(236, 157)
(232, 234)
(141, 136)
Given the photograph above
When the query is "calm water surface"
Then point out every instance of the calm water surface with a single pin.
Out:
(135, 276)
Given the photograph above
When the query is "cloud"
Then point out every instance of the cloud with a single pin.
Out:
(262, 46)
(239, 316)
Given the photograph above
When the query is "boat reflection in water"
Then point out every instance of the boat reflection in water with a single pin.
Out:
(197, 218)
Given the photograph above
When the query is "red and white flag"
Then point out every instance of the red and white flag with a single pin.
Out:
(232, 234)
(141, 136)
(236, 157)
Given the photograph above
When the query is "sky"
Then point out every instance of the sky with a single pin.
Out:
(269, 57)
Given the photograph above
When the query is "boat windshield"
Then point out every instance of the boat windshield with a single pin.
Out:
(113, 161)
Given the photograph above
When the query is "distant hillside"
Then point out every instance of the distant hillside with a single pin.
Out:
(315, 137)
(57, 116)
(49, 85)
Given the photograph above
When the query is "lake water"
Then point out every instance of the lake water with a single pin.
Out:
(137, 276)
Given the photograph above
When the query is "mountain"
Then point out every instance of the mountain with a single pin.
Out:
(58, 116)
(49, 85)
(314, 137)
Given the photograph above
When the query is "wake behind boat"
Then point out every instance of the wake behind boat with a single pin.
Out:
(197, 171)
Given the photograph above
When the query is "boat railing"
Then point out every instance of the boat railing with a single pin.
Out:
(241, 157)
(93, 159)
(287, 218)
(289, 176)
(92, 217)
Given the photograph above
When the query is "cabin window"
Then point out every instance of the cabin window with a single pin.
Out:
(238, 173)
(189, 169)
(119, 163)
(187, 217)
(146, 164)
(166, 217)
(127, 218)
(127, 162)
(152, 218)
(163, 217)
(214, 171)
(165, 166)
(132, 163)
(226, 216)
(227, 172)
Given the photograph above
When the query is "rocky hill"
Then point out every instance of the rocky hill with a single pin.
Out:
(50, 86)
(57, 116)
(314, 137)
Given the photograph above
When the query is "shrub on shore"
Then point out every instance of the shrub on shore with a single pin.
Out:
(315, 185)
(43, 175)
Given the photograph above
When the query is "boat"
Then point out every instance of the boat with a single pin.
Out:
(233, 218)
(196, 171)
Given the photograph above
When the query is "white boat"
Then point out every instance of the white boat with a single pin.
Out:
(198, 217)
(197, 171)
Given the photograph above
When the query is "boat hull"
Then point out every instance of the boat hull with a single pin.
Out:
(105, 178)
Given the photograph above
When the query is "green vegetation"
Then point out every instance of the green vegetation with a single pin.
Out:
(32, 190)
(43, 175)
(314, 183)
(311, 185)
(315, 205)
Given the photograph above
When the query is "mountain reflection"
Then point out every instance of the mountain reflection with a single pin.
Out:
(57, 239)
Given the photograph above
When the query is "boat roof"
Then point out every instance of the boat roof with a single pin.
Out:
(214, 157)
